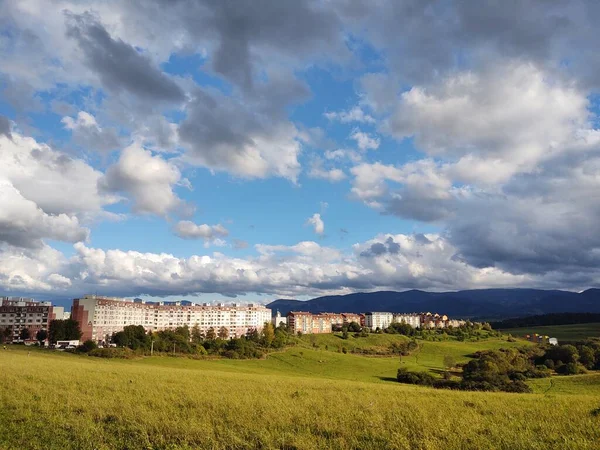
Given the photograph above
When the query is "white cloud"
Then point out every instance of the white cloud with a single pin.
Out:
(364, 141)
(189, 230)
(316, 221)
(356, 114)
(56, 182)
(332, 175)
(24, 224)
(89, 135)
(510, 117)
(149, 181)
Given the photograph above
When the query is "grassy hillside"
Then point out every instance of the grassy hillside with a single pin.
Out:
(301, 398)
(561, 332)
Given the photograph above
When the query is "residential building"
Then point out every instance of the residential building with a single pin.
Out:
(278, 319)
(381, 320)
(100, 317)
(351, 317)
(412, 319)
(17, 313)
(308, 323)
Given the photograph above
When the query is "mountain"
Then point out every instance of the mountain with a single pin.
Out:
(485, 304)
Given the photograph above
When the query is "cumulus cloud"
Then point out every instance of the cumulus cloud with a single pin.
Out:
(148, 180)
(89, 135)
(365, 141)
(189, 230)
(509, 118)
(54, 181)
(356, 114)
(317, 170)
(384, 262)
(317, 223)
(223, 133)
(24, 224)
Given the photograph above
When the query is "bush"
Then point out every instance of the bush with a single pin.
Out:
(88, 346)
(420, 378)
(122, 353)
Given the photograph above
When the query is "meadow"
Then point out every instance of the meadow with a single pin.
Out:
(561, 332)
(305, 397)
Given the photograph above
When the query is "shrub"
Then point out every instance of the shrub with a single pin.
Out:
(420, 378)
(123, 353)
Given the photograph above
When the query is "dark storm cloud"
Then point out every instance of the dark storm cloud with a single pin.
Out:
(119, 65)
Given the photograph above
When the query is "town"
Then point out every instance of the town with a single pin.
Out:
(24, 320)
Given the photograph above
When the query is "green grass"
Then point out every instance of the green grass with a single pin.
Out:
(301, 398)
(561, 332)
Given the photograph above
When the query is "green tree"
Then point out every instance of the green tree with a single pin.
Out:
(41, 336)
(24, 334)
(133, 337)
(210, 334)
(64, 330)
(449, 361)
(88, 346)
(184, 332)
(587, 357)
(268, 335)
(197, 335)
(354, 327)
(223, 333)
(5, 335)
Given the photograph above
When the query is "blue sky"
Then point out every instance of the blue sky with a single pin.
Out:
(296, 150)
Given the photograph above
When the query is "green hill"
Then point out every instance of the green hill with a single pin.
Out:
(301, 398)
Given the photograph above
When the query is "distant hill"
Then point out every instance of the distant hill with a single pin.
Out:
(488, 304)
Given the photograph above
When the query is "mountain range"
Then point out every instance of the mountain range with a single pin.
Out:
(480, 304)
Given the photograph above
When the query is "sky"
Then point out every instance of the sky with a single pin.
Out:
(262, 149)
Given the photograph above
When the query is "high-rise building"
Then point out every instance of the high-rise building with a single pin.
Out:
(100, 317)
(18, 313)
(379, 320)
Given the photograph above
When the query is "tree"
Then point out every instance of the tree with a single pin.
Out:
(132, 336)
(41, 336)
(268, 335)
(64, 330)
(449, 361)
(6, 335)
(354, 327)
(210, 334)
(223, 333)
(24, 334)
(88, 346)
(197, 335)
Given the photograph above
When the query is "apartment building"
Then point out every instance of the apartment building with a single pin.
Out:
(17, 313)
(412, 319)
(381, 320)
(308, 323)
(100, 317)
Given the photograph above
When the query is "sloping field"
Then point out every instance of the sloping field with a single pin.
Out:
(310, 400)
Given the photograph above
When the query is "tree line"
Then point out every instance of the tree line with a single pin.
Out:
(508, 369)
(193, 341)
(547, 320)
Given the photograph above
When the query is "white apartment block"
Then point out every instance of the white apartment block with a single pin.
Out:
(414, 320)
(100, 317)
(17, 313)
(381, 320)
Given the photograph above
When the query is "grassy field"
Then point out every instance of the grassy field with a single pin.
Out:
(561, 332)
(302, 398)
